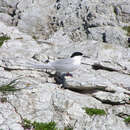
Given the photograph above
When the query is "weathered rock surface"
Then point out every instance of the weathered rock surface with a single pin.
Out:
(47, 30)
(80, 20)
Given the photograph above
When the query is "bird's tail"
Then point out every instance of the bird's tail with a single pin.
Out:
(39, 66)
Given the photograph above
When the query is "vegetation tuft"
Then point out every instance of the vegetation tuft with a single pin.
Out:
(127, 120)
(27, 124)
(94, 111)
(10, 87)
(3, 38)
(68, 128)
(127, 28)
(44, 126)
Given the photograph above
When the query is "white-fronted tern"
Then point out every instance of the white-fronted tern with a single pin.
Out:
(61, 65)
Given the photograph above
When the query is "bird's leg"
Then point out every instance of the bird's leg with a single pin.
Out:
(59, 78)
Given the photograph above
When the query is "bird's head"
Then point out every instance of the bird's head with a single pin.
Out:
(77, 56)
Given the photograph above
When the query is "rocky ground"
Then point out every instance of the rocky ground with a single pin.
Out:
(37, 31)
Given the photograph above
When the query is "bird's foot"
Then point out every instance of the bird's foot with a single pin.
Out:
(69, 74)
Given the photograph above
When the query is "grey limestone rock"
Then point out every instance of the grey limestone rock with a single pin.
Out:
(42, 31)
(80, 20)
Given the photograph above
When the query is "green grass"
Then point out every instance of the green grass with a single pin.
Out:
(127, 28)
(3, 38)
(127, 120)
(44, 126)
(9, 87)
(94, 111)
(27, 124)
(68, 128)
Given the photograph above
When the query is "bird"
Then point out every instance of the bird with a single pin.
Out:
(61, 65)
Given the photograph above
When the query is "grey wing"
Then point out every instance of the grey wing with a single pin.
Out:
(62, 64)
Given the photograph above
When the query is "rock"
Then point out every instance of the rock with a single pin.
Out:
(107, 72)
(122, 11)
(7, 110)
(110, 98)
(6, 18)
(43, 31)
(125, 12)
(80, 20)
(113, 35)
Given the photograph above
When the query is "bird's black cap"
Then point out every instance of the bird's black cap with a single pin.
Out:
(76, 54)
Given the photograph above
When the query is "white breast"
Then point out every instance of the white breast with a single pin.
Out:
(77, 60)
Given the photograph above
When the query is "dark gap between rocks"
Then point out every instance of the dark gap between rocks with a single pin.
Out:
(101, 67)
(122, 115)
(109, 102)
(12, 69)
(89, 90)
(104, 37)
